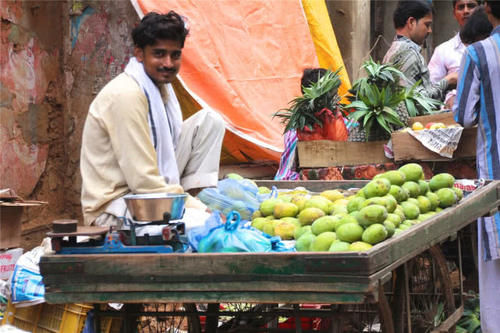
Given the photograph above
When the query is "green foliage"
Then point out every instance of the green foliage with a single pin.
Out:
(375, 108)
(418, 104)
(470, 321)
(376, 97)
(381, 75)
(319, 95)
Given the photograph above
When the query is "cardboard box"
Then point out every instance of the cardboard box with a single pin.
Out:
(11, 211)
(443, 117)
(406, 148)
(325, 153)
(8, 261)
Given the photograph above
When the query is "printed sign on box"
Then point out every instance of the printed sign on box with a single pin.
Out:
(8, 261)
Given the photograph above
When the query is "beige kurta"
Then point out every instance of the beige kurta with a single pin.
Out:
(117, 154)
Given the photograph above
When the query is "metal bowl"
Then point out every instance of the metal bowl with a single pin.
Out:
(152, 206)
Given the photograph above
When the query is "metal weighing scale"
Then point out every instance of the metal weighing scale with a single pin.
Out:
(108, 240)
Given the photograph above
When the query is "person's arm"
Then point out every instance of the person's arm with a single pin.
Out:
(126, 120)
(466, 106)
(437, 69)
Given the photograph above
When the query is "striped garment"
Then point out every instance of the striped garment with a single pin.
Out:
(288, 165)
(477, 102)
(404, 54)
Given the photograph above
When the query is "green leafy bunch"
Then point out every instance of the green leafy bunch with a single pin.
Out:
(375, 108)
(318, 95)
(381, 75)
(376, 99)
(418, 104)
(470, 321)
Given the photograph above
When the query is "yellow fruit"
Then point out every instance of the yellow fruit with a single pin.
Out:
(411, 210)
(339, 246)
(424, 186)
(308, 215)
(374, 234)
(434, 199)
(318, 202)
(424, 204)
(459, 193)
(267, 206)
(355, 204)
(285, 209)
(360, 247)
(301, 231)
(390, 227)
(399, 193)
(299, 200)
(413, 188)
(373, 201)
(323, 224)
(399, 212)
(349, 232)
(412, 171)
(395, 219)
(256, 214)
(263, 190)
(259, 223)
(234, 176)
(447, 197)
(323, 241)
(304, 242)
(332, 195)
(377, 188)
(338, 209)
(268, 229)
(390, 203)
(441, 180)
(285, 230)
(396, 177)
(344, 219)
(372, 214)
(417, 126)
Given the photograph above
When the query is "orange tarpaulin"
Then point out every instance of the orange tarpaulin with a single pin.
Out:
(243, 59)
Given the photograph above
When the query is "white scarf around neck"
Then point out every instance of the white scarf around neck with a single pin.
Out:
(165, 121)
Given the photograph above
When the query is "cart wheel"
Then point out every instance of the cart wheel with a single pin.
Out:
(186, 322)
(354, 318)
(430, 289)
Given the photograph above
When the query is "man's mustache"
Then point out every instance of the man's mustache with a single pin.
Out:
(167, 69)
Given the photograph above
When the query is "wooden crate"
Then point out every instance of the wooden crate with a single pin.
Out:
(406, 148)
(324, 153)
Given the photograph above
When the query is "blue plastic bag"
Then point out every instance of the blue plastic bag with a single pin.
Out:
(234, 237)
(196, 234)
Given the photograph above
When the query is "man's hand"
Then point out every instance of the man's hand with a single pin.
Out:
(452, 79)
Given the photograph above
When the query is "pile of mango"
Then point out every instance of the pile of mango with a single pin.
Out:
(389, 204)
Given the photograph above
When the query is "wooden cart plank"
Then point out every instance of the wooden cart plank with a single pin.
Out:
(297, 297)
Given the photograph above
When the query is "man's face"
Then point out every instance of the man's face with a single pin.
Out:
(420, 29)
(463, 9)
(161, 61)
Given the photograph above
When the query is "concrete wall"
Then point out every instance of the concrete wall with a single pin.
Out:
(54, 56)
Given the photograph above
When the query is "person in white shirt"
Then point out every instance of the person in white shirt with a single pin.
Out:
(447, 56)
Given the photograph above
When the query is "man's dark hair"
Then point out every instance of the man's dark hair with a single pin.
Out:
(154, 26)
(310, 76)
(477, 27)
(406, 9)
(495, 7)
(454, 2)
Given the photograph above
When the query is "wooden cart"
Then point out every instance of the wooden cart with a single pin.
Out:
(294, 278)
